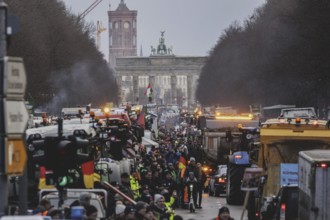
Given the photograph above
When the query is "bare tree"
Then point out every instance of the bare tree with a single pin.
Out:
(60, 56)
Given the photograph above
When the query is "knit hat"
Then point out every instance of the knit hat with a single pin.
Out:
(120, 209)
(145, 187)
(157, 197)
(129, 209)
(192, 159)
(223, 209)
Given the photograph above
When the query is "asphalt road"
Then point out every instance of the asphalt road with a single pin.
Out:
(210, 207)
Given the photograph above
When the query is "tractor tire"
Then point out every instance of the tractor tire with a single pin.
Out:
(235, 196)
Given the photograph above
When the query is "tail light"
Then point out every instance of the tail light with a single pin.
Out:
(238, 156)
(222, 180)
(324, 165)
(282, 212)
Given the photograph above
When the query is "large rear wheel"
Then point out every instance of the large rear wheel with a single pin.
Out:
(235, 196)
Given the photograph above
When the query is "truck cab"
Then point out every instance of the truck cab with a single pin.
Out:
(314, 182)
(281, 140)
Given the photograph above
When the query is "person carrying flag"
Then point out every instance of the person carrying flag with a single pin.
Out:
(149, 93)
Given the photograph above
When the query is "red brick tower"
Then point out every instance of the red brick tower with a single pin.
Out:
(122, 33)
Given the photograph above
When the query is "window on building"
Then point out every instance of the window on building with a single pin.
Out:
(115, 25)
(134, 24)
(127, 25)
(120, 40)
(127, 39)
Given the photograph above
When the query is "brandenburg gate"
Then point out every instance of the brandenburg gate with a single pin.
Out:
(165, 72)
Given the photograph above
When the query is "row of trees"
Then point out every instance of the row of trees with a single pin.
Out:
(279, 56)
(63, 66)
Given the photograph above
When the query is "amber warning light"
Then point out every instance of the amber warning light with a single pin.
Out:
(235, 117)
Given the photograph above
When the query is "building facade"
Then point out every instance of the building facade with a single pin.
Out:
(173, 78)
(122, 33)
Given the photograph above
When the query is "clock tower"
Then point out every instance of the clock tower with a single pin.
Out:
(122, 33)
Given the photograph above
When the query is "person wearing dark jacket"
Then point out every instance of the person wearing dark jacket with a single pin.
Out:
(141, 210)
(145, 195)
(125, 185)
(201, 185)
(193, 168)
(147, 180)
(224, 214)
(168, 182)
(192, 180)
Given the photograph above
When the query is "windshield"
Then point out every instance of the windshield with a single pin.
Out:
(98, 205)
(298, 113)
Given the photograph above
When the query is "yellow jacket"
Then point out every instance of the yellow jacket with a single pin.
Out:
(135, 187)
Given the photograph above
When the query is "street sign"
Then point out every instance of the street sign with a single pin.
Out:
(16, 117)
(15, 156)
(251, 179)
(14, 77)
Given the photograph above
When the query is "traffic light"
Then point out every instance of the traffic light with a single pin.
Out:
(60, 154)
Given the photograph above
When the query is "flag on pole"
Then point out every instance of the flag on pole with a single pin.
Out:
(149, 91)
(87, 169)
(42, 179)
(182, 163)
(141, 118)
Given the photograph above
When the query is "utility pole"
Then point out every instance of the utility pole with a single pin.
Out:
(3, 53)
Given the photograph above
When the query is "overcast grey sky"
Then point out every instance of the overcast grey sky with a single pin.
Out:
(192, 26)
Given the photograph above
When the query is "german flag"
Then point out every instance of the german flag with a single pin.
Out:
(88, 171)
(182, 163)
(42, 179)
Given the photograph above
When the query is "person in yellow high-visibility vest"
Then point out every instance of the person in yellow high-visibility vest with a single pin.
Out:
(169, 201)
(135, 185)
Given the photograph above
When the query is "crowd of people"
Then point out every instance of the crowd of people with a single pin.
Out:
(160, 178)
(158, 183)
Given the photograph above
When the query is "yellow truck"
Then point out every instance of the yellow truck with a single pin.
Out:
(281, 140)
